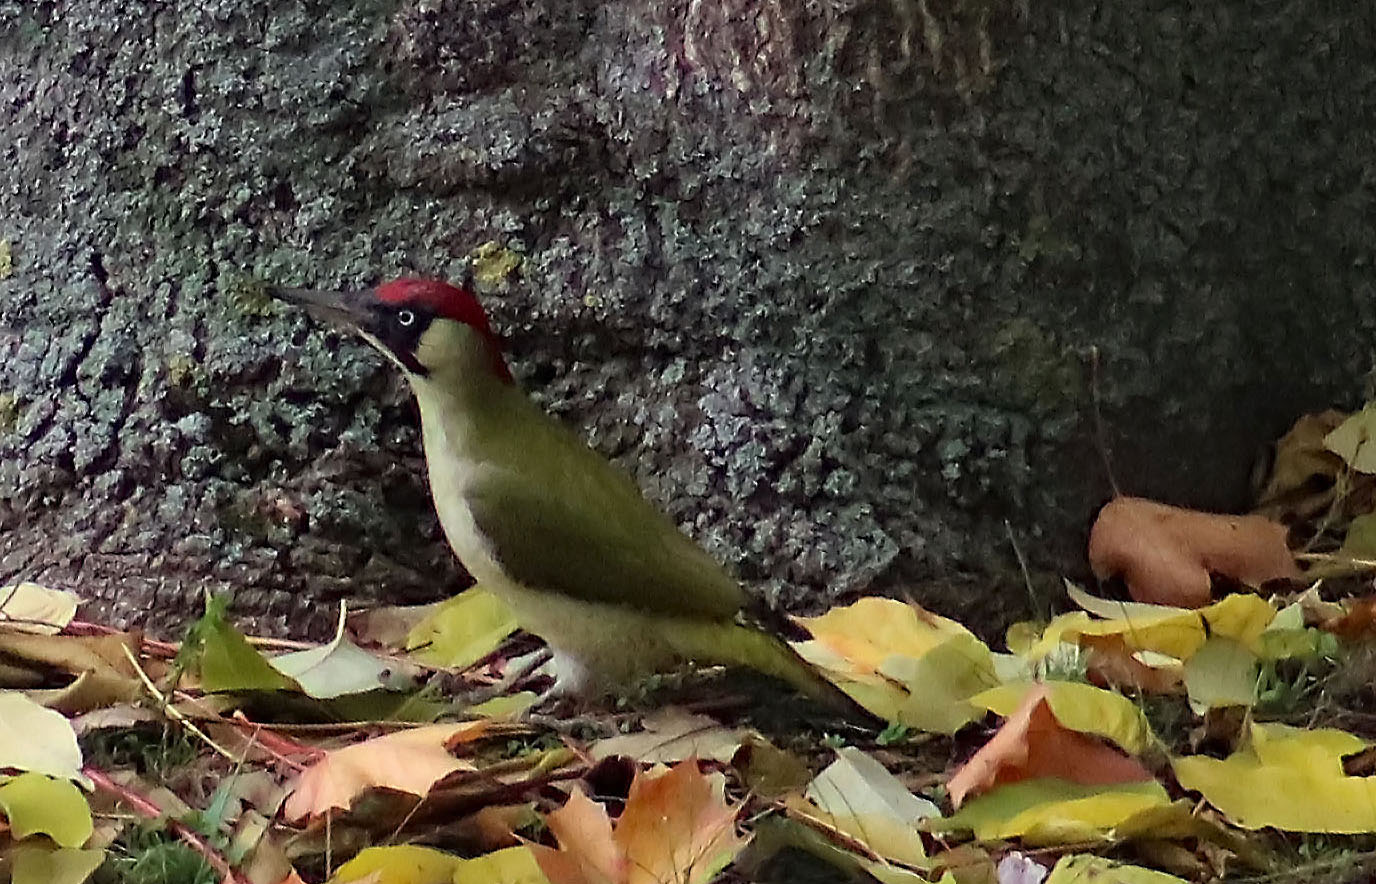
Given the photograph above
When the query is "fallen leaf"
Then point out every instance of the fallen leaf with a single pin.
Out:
(1287, 778)
(858, 796)
(1164, 629)
(901, 662)
(1360, 540)
(1354, 440)
(461, 630)
(125, 715)
(1357, 621)
(1054, 811)
(1301, 484)
(388, 626)
(399, 864)
(33, 738)
(673, 734)
(1033, 744)
(1166, 554)
(676, 828)
(34, 803)
(34, 864)
(768, 771)
(338, 668)
(412, 864)
(410, 761)
(1084, 868)
(29, 607)
(1112, 663)
(1079, 707)
(1221, 673)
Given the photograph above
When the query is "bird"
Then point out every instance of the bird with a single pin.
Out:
(536, 516)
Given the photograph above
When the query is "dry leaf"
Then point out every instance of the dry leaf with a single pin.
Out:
(673, 734)
(410, 761)
(1354, 440)
(29, 607)
(677, 828)
(1032, 744)
(1357, 621)
(1167, 554)
(1302, 477)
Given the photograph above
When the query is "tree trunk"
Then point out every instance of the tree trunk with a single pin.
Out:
(823, 277)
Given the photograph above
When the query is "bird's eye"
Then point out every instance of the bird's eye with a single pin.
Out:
(406, 318)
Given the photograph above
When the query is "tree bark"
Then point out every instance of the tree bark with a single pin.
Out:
(822, 276)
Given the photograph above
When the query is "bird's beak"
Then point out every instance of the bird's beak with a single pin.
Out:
(349, 309)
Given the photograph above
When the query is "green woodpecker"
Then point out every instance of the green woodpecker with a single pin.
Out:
(542, 520)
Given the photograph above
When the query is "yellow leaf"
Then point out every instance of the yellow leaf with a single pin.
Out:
(37, 804)
(901, 662)
(1289, 779)
(41, 865)
(410, 864)
(1049, 811)
(400, 864)
(28, 607)
(461, 630)
(1089, 869)
(1079, 707)
(511, 865)
(1176, 632)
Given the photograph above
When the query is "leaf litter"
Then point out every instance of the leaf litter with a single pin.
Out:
(1213, 725)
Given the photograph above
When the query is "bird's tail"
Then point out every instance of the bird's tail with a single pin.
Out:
(736, 644)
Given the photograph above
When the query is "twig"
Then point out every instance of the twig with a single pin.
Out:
(1032, 594)
(145, 808)
(173, 712)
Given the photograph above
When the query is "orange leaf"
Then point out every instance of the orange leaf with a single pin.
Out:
(1359, 621)
(1167, 554)
(1033, 744)
(677, 828)
(588, 852)
(408, 761)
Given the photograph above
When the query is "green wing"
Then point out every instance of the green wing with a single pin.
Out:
(574, 525)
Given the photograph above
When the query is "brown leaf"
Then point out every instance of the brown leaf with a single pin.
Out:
(1032, 744)
(1167, 554)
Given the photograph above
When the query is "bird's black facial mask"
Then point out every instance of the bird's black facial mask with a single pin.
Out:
(395, 330)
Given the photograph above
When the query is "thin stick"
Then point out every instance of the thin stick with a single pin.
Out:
(145, 808)
(1026, 574)
(173, 712)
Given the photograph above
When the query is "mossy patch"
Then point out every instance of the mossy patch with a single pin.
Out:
(1033, 368)
(9, 412)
